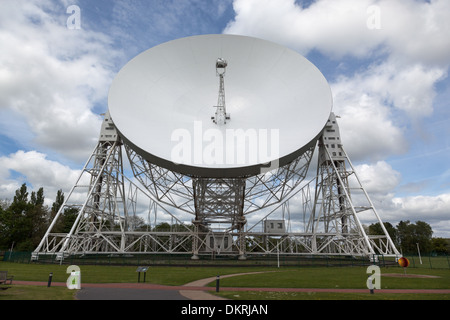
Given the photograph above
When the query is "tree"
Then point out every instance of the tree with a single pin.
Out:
(3, 229)
(23, 222)
(13, 220)
(59, 201)
(136, 223)
(163, 226)
(440, 245)
(423, 234)
(35, 219)
(410, 235)
(57, 204)
(37, 199)
(66, 218)
(375, 229)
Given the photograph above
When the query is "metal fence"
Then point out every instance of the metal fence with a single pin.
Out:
(425, 261)
(430, 261)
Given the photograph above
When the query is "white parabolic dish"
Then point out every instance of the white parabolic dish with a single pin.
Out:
(162, 102)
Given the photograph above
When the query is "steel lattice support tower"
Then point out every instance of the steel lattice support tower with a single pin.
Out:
(101, 221)
(340, 200)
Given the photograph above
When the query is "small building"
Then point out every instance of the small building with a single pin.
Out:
(218, 242)
(274, 226)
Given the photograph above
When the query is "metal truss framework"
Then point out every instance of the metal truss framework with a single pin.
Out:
(188, 193)
(333, 223)
(105, 223)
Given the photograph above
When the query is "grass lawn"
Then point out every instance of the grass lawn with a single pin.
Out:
(258, 295)
(287, 277)
(341, 277)
(119, 274)
(19, 292)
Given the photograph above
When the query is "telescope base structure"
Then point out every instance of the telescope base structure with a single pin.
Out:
(113, 219)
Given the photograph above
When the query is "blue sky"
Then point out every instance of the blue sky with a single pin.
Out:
(387, 63)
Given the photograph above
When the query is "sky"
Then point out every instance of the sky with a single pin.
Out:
(387, 63)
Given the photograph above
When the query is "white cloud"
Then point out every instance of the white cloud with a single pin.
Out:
(376, 103)
(409, 29)
(409, 88)
(425, 207)
(37, 170)
(52, 77)
(375, 106)
(417, 31)
(337, 27)
(379, 178)
(367, 131)
(380, 181)
(432, 209)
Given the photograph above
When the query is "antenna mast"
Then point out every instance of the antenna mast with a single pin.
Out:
(221, 116)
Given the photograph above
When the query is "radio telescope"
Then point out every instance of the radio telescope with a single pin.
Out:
(222, 129)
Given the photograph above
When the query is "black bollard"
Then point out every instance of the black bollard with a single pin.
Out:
(370, 285)
(217, 283)
(50, 276)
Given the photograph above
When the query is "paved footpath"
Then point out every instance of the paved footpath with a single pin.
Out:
(196, 290)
